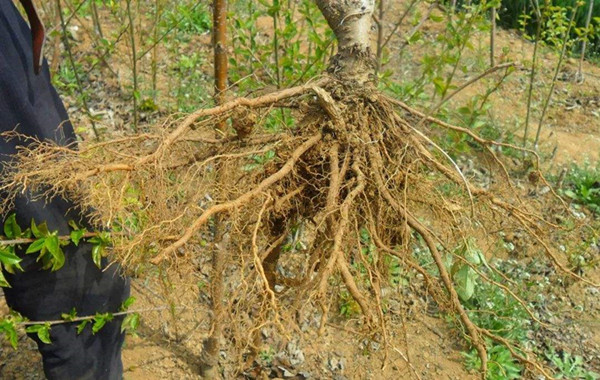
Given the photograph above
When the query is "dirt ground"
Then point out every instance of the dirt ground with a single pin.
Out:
(421, 343)
(164, 348)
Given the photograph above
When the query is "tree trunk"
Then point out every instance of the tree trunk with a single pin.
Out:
(351, 22)
(57, 37)
(96, 20)
(379, 54)
(219, 46)
(493, 38)
(580, 78)
(209, 358)
(209, 366)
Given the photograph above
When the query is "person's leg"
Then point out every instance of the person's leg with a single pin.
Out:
(80, 285)
(29, 104)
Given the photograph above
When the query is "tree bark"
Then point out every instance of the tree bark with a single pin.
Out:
(220, 48)
(379, 54)
(493, 38)
(209, 366)
(351, 22)
(580, 78)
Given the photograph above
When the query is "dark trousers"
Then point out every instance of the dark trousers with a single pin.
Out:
(29, 104)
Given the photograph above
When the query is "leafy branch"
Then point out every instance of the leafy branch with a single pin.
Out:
(47, 244)
(130, 323)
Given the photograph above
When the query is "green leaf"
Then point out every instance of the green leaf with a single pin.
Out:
(3, 282)
(127, 303)
(440, 84)
(43, 229)
(414, 38)
(34, 229)
(73, 225)
(11, 227)
(76, 236)
(97, 252)
(465, 282)
(571, 194)
(100, 320)
(47, 262)
(52, 244)
(103, 238)
(269, 155)
(9, 258)
(58, 262)
(82, 325)
(10, 331)
(42, 331)
(436, 18)
(472, 254)
(70, 316)
(131, 322)
(36, 245)
(11, 268)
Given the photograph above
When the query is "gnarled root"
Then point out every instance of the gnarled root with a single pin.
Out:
(352, 170)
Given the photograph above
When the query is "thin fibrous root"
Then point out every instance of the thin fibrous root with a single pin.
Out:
(240, 201)
(418, 227)
(369, 170)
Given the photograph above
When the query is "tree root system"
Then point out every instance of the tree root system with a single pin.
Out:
(353, 171)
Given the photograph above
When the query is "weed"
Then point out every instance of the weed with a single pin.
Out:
(267, 356)
(395, 272)
(501, 364)
(490, 307)
(65, 79)
(583, 256)
(570, 366)
(258, 161)
(348, 306)
(582, 185)
(196, 20)
(187, 19)
(191, 82)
